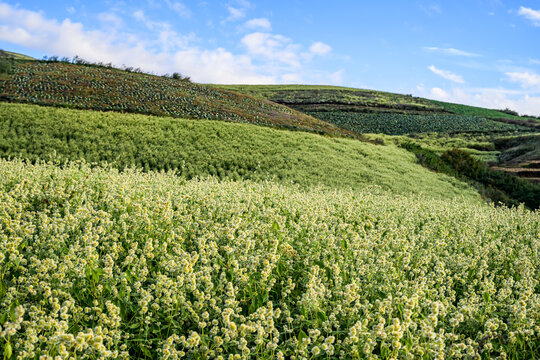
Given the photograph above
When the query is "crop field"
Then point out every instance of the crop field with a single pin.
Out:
(474, 110)
(304, 96)
(226, 150)
(400, 124)
(106, 89)
(97, 263)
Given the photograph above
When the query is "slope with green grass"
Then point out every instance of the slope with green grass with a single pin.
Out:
(104, 88)
(226, 150)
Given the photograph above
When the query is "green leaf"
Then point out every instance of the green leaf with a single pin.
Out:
(145, 351)
(8, 351)
(275, 226)
(301, 335)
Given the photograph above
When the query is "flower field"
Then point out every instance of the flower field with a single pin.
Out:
(96, 263)
(109, 89)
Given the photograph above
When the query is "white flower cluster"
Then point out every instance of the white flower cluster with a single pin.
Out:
(100, 264)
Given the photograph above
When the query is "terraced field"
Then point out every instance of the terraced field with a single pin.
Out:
(106, 89)
(314, 97)
(399, 124)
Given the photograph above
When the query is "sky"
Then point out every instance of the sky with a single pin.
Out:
(476, 52)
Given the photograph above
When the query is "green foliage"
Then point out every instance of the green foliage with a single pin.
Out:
(202, 148)
(304, 97)
(399, 124)
(127, 265)
(86, 86)
(516, 188)
(478, 111)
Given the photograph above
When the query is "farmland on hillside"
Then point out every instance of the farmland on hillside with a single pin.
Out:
(105, 89)
(400, 124)
(311, 97)
(98, 263)
(226, 150)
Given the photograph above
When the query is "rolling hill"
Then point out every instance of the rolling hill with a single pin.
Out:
(135, 223)
(103, 88)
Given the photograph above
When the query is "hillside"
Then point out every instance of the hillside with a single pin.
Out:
(101, 264)
(222, 149)
(367, 111)
(105, 88)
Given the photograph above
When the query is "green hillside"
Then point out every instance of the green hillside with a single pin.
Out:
(315, 97)
(105, 88)
(369, 111)
(101, 264)
(226, 150)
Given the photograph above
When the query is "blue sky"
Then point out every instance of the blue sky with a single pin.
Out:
(478, 52)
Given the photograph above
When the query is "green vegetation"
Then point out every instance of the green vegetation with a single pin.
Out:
(399, 124)
(103, 88)
(14, 55)
(496, 185)
(226, 150)
(477, 111)
(306, 97)
(101, 264)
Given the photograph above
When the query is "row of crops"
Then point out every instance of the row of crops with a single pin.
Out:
(87, 87)
(297, 95)
(400, 124)
(98, 264)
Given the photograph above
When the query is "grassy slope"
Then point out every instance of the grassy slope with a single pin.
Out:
(216, 148)
(144, 265)
(101, 88)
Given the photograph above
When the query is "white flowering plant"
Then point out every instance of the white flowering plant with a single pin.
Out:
(97, 263)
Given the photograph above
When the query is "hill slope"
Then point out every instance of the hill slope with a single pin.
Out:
(368, 111)
(227, 150)
(103, 88)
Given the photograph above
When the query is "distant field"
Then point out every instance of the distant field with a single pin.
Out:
(225, 150)
(476, 111)
(305, 97)
(399, 124)
(102, 88)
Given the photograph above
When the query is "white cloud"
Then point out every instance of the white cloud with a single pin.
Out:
(179, 8)
(235, 13)
(447, 75)
(277, 48)
(268, 58)
(530, 14)
(451, 51)
(258, 24)
(31, 29)
(319, 48)
(534, 61)
(439, 94)
(111, 19)
(526, 79)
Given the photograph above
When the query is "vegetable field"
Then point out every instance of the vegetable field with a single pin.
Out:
(400, 124)
(95, 263)
(106, 89)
